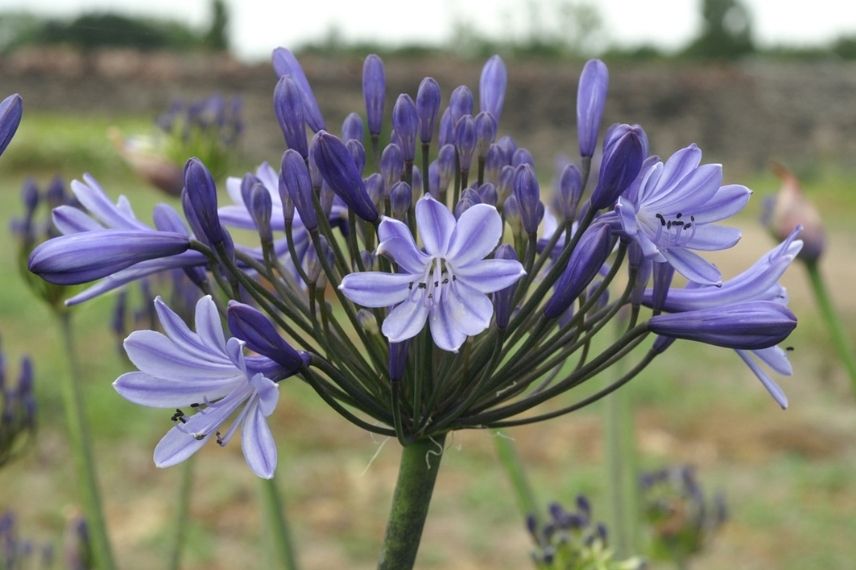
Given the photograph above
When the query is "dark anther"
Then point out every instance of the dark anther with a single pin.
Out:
(661, 218)
(678, 217)
(789, 348)
(194, 405)
(219, 439)
(178, 416)
(199, 436)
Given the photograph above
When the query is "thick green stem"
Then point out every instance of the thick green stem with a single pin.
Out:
(510, 460)
(81, 451)
(830, 315)
(420, 462)
(277, 526)
(182, 511)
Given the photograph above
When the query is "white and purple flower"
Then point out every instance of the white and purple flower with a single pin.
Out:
(446, 283)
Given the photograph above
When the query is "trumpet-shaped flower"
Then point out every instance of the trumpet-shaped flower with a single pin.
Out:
(204, 371)
(446, 284)
(670, 209)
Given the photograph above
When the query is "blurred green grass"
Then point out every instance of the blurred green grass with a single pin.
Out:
(788, 475)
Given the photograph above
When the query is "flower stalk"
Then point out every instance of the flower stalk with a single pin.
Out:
(285, 555)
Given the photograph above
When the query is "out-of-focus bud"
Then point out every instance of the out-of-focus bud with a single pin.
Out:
(260, 209)
(492, 83)
(460, 103)
(570, 190)
(391, 165)
(358, 153)
(367, 321)
(11, 110)
(528, 194)
(465, 142)
(522, 156)
(446, 157)
(352, 128)
(591, 98)
(623, 154)
(374, 188)
(284, 63)
(288, 107)
(511, 213)
(416, 182)
(506, 185)
(469, 198)
(447, 129)
(405, 121)
(313, 266)
(507, 144)
(487, 193)
(494, 161)
(485, 133)
(374, 92)
(790, 208)
(434, 179)
(427, 105)
(400, 199)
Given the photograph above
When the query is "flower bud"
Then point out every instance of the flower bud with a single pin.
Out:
(352, 128)
(570, 191)
(622, 159)
(391, 165)
(434, 179)
(312, 265)
(261, 336)
(416, 182)
(367, 321)
(374, 188)
(494, 161)
(294, 178)
(591, 252)
(405, 121)
(591, 98)
(502, 299)
(11, 110)
(522, 156)
(358, 153)
(507, 144)
(465, 141)
(485, 133)
(789, 209)
(447, 129)
(260, 208)
(492, 85)
(505, 187)
(288, 107)
(284, 63)
(446, 158)
(487, 193)
(460, 103)
(469, 198)
(398, 360)
(427, 106)
(201, 195)
(374, 92)
(400, 199)
(663, 273)
(528, 195)
(511, 213)
(338, 170)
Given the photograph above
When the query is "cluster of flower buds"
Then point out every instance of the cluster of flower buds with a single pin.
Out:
(17, 410)
(418, 283)
(208, 128)
(572, 540)
(681, 519)
(18, 553)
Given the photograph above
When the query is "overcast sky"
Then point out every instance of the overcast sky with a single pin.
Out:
(259, 25)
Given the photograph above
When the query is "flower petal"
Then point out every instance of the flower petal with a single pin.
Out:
(471, 310)
(490, 275)
(775, 391)
(436, 224)
(145, 390)
(90, 194)
(711, 237)
(258, 444)
(208, 324)
(377, 289)
(156, 355)
(444, 328)
(267, 392)
(775, 358)
(407, 319)
(176, 446)
(727, 201)
(476, 234)
(692, 266)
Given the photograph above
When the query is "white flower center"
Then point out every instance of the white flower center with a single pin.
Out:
(435, 279)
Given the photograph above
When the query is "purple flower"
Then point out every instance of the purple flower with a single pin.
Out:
(204, 371)
(591, 98)
(670, 209)
(374, 92)
(284, 63)
(446, 284)
(11, 109)
(340, 173)
(624, 150)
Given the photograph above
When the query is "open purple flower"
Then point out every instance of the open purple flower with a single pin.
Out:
(204, 371)
(670, 209)
(446, 284)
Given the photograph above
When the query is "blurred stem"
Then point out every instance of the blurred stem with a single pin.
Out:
(181, 514)
(830, 315)
(417, 473)
(277, 525)
(621, 468)
(510, 460)
(81, 450)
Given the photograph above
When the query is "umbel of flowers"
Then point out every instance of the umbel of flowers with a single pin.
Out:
(410, 273)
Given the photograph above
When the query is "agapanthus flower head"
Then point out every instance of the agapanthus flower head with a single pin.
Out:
(11, 110)
(790, 208)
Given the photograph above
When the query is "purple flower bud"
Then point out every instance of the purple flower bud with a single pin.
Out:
(506, 184)
(586, 260)
(314, 174)
(352, 128)
(416, 181)
(434, 179)
(391, 165)
(663, 273)
(591, 98)
(284, 63)
(374, 92)
(326, 198)
(492, 84)
(288, 107)
(485, 132)
(201, 195)
(312, 265)
(502, 299)
(294, 178)
(120, 313)
(400, 199)
(446, 158)
(528, 195)
(30, 197)
(460, 103)
(751, 325)
(86, 256)
(261, 336)
(507, 144)
(427, 105)
(493, 163)
(260, 208)
(465, 141)
(374, 188)
(338, 170)
(358, 153)
(398, 360)
(11, 109)
(570, 191)
(522, 156)
(469, 198)
(487, 193)
(622, 159)
(511, 213)
(617, 130)
(447, 129)
(55, 193)
(405, 121)
(367, 321)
